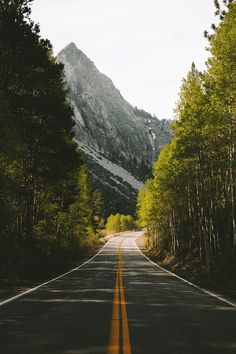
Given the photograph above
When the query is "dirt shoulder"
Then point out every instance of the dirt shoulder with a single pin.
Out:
(189, 269)
(16, 285)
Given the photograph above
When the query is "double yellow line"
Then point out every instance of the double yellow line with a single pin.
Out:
(119, 335)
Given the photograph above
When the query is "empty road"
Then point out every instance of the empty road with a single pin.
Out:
(118, 303)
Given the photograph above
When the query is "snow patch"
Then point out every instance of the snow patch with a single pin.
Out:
(152, 138)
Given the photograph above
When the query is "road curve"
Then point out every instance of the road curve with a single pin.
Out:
(118, 303)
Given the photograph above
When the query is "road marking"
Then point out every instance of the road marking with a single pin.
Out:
(119, 314)
(125, 325)
(220, 298)
(2, 303)
(115, 321)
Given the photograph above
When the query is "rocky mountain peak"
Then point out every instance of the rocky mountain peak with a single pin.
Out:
(120, 141)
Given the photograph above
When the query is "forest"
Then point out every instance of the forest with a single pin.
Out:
(189, 206)
(49, 213)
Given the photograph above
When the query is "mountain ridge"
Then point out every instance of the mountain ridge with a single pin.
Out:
(110, 130)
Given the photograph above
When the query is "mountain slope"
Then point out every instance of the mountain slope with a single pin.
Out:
(119, 141)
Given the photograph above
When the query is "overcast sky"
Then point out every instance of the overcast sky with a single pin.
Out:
(145, 46)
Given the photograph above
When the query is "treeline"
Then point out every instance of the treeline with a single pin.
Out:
(48, 212)
(120, 223)
(189, 206)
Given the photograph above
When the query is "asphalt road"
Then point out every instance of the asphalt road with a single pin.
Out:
(118, 303)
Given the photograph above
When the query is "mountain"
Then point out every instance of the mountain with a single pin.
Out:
(120, 142)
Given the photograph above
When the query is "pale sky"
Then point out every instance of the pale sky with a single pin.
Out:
(145, 46)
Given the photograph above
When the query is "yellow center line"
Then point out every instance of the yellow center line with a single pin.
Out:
(125, 325)
(113, 347)
(119, 314)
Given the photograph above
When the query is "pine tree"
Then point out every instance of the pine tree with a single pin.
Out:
(98, 209)
(81, 211)
(32, 89)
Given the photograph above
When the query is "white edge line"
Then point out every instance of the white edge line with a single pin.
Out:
(187, 282)
(2, 303)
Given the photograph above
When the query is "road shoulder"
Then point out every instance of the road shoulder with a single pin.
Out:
(140, 243)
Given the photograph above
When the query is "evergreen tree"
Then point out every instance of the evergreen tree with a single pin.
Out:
(38, 156)
(81, 211)
(98, 209)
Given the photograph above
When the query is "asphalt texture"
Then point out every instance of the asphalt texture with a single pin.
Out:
(75, 314)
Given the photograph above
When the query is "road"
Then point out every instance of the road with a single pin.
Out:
(118, 303)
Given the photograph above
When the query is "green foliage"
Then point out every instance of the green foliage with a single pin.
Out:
(81, 211)
(120, 223)
(145, 204)
(126, 223)
(113, 223)
(190, 204)
(46, 203)
(98, 209)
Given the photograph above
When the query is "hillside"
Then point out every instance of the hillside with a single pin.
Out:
(120, 142)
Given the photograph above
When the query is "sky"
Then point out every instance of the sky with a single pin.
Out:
(145, 46)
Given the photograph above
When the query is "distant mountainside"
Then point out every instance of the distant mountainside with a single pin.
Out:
(120, 142)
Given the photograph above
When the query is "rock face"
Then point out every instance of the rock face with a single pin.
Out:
(120, 142)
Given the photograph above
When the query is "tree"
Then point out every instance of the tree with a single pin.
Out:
(113, 223)
(127, 223)
(189, 205)
(222, 90)
(98, 209)
(81, 211)
(38, 155)
(120, 223)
